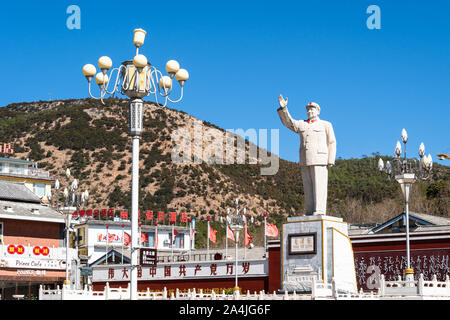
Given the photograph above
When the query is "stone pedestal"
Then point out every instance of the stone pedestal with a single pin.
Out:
(316, 247)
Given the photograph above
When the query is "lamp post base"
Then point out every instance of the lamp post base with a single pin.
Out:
(409, 276)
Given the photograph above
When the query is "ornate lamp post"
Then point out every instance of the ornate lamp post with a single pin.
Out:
(236, 222)
(406, 172)
(72, 201)
(136, 79)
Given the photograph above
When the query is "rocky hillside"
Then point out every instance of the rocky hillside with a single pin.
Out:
(93, 141)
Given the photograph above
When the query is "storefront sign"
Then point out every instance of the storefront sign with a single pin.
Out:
(147, 215)
(28, 263)
(28, 272)
(148, 257)
(6, 148)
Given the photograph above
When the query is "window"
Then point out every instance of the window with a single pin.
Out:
(16, 168)
(1, 233)
(151, 240)
(81, 233)
(179, 240)
(39, 189)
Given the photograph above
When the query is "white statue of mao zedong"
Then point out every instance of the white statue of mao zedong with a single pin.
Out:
(317, 153)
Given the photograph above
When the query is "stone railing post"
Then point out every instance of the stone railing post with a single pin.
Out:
(106, 291)
(333, 288)
(381, 289)
(420, 284)
(313, 288)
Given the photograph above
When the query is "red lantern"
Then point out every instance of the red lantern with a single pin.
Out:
(20, 249)
(45, 251)
(36, 251)
(11, 249)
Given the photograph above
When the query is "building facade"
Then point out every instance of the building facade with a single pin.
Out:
(32, 250)
(381, 249)
(36, 180)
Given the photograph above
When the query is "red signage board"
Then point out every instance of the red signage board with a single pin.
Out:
(6, 148)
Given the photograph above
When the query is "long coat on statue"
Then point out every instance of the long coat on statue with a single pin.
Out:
(317, 141)
(317, 151)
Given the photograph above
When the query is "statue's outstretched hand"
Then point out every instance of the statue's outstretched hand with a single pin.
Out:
(282, 102)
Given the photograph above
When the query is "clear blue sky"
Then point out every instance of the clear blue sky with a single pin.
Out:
(242, 54)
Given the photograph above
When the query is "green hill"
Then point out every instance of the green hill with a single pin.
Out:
(92, 140)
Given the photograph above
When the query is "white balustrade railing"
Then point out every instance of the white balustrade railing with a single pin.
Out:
(66, 293)
(414, 289)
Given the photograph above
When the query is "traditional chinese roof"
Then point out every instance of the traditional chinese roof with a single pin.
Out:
(114, 255)
(18, 202)
(418, 222)
(13, 191)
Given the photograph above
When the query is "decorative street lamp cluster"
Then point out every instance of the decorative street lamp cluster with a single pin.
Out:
(136, 79)
(406, 172)
(420, 168)
(72, 198)
(146, 81)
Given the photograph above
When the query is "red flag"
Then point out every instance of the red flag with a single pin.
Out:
(111, 237)
(144, 237)
(126, 239)
(248, 238)
(230, 234)
(212, 234)
(271, 230)
(175, 232)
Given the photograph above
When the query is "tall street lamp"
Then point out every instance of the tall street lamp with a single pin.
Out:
(406, 172)
(236, 222)
(72, 200)
(136, 79)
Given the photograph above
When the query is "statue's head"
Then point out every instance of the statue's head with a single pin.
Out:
(312, 110)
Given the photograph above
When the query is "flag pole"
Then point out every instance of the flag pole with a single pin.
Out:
(193, 233)
(171, 240)
(123, 239)
(245, 231)
(245, 239)
(207, 243)
(156, 235)
(265, 239)
(106, 247)
(190, 238)
(226, 239)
